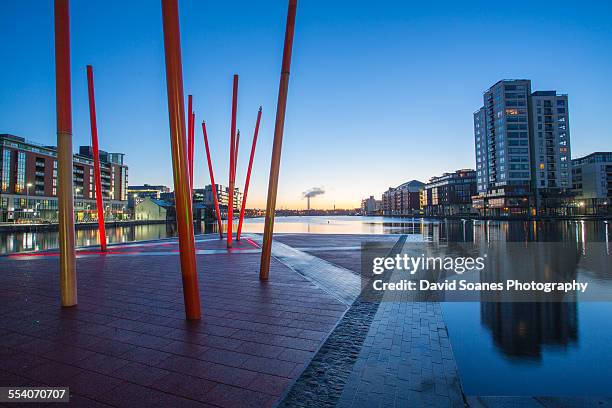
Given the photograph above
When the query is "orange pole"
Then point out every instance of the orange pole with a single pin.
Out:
(248, 176)
(96, 157)
(212, 181)
(180, 166)
(65, 197)
(230, 204)
(266, 250)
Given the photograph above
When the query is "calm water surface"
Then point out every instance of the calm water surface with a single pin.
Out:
(545, 348)
(501, 348)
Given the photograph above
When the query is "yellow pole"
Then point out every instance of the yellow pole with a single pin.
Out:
(68, 285)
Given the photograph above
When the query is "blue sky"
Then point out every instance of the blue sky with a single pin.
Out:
(380, 92)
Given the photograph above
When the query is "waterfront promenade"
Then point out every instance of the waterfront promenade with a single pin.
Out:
(305, 338)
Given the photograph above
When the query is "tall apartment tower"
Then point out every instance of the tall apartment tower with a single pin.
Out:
(522, 149)
(551, 141)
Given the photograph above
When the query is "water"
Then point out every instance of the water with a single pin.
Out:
(501, 348)
(546, 348)
(13, 242)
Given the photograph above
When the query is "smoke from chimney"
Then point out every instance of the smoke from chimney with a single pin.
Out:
(312, 192)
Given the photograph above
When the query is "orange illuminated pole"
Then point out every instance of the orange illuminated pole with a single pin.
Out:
(180, 165)
(230, 204)
(248, 176)
(65, 198)
(96, 157)
(266, 250)
(212, 181)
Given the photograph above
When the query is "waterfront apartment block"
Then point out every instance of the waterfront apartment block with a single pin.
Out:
(28, 175)
(449, 194)
(522, 148)
(371, 206)
(592, 183)
(206, 197)
(402, 200)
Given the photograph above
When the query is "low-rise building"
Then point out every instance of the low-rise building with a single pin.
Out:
(592, 183)
(403, 199)
(152, 209)
(370, 206)
(450, 194)
(139, 193)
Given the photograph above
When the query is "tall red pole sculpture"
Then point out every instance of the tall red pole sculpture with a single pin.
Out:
(230, 204)
(212, 181)
(180, 168)
(266, 250)
(190, 126)
(63, 102)
(236, 152)
(191, 153)
(248, 176)
(96, 157)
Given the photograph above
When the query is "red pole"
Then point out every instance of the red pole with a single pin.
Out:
(248, 176)
(180, 168)
(192, 149)
(65, 197)
(96, 157)
(190, 126)
(212, 181)
(236, 152)
(230, 204)
(266, 249)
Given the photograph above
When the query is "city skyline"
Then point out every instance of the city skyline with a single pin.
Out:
(336, 131)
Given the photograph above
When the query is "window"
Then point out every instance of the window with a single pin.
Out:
(20, 183)
(6, 170)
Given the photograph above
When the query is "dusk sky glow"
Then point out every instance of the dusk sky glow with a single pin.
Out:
(380, 93)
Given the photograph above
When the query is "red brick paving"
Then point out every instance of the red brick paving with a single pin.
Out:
(127, 342)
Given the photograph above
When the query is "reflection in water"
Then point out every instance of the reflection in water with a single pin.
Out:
(430, 230)
(527, 348)
(12, 242)
(520, 329)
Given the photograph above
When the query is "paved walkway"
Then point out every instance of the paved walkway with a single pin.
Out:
(384, 352)
(127, 342)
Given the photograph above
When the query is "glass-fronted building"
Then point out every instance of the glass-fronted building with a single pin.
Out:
(28, 188)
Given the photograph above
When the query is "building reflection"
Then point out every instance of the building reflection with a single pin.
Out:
(520, 327)
(520, 323)
(520, 330)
